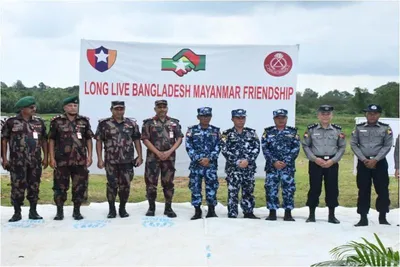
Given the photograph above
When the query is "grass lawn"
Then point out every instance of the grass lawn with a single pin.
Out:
(347, 181)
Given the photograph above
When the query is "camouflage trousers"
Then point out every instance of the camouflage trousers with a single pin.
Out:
(79, 176)
(211, 182)
(119, 178)
(153, 168)
(243, 179)
(25, 178)
(272, 182)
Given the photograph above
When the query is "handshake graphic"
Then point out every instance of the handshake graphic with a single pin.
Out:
(183, 62)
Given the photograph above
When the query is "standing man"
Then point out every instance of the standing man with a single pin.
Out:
(371, 141)
(161, 135)
(396, 158)
(280, 145)
(202, 146)
(26, 136)
(324, 145)
(120, 136)
(70, 151)
(240, 146)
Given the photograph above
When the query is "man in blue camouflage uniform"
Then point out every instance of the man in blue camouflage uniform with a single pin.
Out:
(240, 146)
(280, 145)
(202, 146)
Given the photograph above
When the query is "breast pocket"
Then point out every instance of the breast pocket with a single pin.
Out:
(332, 140)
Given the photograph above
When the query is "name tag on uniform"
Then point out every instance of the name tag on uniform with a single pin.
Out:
(363, 131)
(316, 134)
(171, 134)
(35, 135)
(79, 135)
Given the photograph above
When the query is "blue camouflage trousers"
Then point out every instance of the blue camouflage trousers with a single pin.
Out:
(272, 182)
(211, 182)
(243, 179)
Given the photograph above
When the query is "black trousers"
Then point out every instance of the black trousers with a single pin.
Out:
(380, 177)
(330, 177)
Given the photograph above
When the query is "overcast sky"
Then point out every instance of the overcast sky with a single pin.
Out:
(342, 44)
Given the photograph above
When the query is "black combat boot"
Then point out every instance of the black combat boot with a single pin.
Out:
(33, 215)
(382, 218)
(331, 217)
(60, 213)
(363, 221)
(152, 208)
(17, 214)
(77, 213)
(168, 211)
(197, 213)
(271, 216)
(211, 212)
(112, 213)
(122, 210)
(288, 216)
(250, 216)
(311, 217)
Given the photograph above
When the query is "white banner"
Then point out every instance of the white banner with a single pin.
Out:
(258, 78)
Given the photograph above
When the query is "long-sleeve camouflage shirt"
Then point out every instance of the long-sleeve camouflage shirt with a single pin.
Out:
(25, 139)
(118, 139)
(70, 139)
(239, 146)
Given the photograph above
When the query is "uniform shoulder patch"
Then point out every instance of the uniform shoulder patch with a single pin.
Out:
(292, 128)
(174, 120)
(311, 126)
(55, 117)
(38, 118)
(249, 129)
(215, 128)
(147, 120)
(103, 120)
(132, 119)
(227, 131)
(383, 124)
(336, 126)
(269, 128)
(84, 117)
(360, 124)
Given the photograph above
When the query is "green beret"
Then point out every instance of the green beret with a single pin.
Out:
(25, 102)
(71, 99)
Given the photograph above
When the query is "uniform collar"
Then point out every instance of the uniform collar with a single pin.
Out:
(328, 128)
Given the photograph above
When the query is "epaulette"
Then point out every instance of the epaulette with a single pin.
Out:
(311, 126)
(146, 120)
(227, 131)
(174, 120)
(361, 123)
(191, 127)
(37, 118)
(383, 124)
(132, 119)
(55, 117)
(11, 117)
(292, 128)
(249, 129)
(102, 120)
(84, 117)
(215, 128)
(269, 128)
(336, 126)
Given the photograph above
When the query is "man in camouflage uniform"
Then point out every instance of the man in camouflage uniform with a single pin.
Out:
(161, 135)
(240, 146)
(202, 146)
(324, 145)
(26, 135)
(70, 151)
(371, 141)
(120, 136)
(280, 145)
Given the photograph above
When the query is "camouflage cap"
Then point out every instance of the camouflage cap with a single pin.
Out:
(71, 99)
(117, 104)
(373, 108)
(25, 102)
(280, 112)
(204, 111)
(161, 102)
(325, 108)
(239, 113)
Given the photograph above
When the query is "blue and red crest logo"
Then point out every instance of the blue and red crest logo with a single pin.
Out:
(101, 58)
